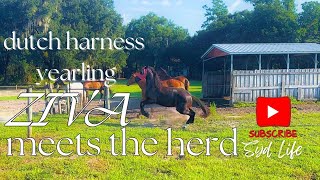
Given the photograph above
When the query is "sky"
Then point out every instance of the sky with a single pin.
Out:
(186, 13)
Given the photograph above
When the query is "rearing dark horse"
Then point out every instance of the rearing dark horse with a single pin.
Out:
(169, 97)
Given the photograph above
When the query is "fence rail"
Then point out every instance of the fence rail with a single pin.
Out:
(303, 84)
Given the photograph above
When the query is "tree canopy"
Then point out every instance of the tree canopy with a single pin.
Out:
(309, 20)
(94, 18)
(159, 34)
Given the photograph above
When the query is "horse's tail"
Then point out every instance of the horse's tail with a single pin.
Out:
(186, 84)
(205, 110)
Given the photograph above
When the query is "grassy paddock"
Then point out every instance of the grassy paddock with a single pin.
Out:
(135, 91)
(162, 166)
(8, 98)
(294, 101)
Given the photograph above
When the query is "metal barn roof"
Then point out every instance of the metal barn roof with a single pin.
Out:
(261, 48)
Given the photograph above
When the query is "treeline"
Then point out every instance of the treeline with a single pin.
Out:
(82, 18)
(271, 21)
(166, 44)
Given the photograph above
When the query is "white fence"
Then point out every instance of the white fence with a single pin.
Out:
(303, 84)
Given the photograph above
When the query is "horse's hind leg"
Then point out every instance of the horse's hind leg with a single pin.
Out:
(192, 115)
(187, 111)
(142, 104)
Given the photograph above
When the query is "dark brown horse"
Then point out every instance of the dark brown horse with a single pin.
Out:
(169, 97)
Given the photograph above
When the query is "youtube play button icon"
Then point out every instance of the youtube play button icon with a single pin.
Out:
(273, 111)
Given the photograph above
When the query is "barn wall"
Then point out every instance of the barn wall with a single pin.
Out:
(216, 84)
(303, 84)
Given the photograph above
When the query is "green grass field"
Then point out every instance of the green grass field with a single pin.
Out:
(135, 91)
(161, 166)
(8, 98)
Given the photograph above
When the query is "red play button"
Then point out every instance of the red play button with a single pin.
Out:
(273, 111)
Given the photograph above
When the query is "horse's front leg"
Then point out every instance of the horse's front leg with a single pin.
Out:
(101, 95)
(142, 104)
(58, 88)
(86, 95)
(143, 95)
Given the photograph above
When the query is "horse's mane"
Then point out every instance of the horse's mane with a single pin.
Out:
(153, 78)
(163, 74)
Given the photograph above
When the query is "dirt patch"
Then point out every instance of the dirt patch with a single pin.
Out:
(10, 108)
(307, 107)
(236, 111)
(10, 92)
(160, 116)
(98, 164)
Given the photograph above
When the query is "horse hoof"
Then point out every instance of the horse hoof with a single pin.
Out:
(185, 126)
(146, 115)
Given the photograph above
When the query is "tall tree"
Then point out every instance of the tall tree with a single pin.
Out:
(272, 22)
(255, 2)
(215, 14)
(289, 5)
(309, 20)
(159, 33)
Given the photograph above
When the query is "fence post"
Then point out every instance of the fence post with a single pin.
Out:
(81, 98)
(232, 86)
(204, 88)
(46, 93)
(48, 90)
(59, 105)
(85, 97)
(283, 89)
(106, 98)
(300, 96)
(29, 112)
(231, 82)
(68, 99)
